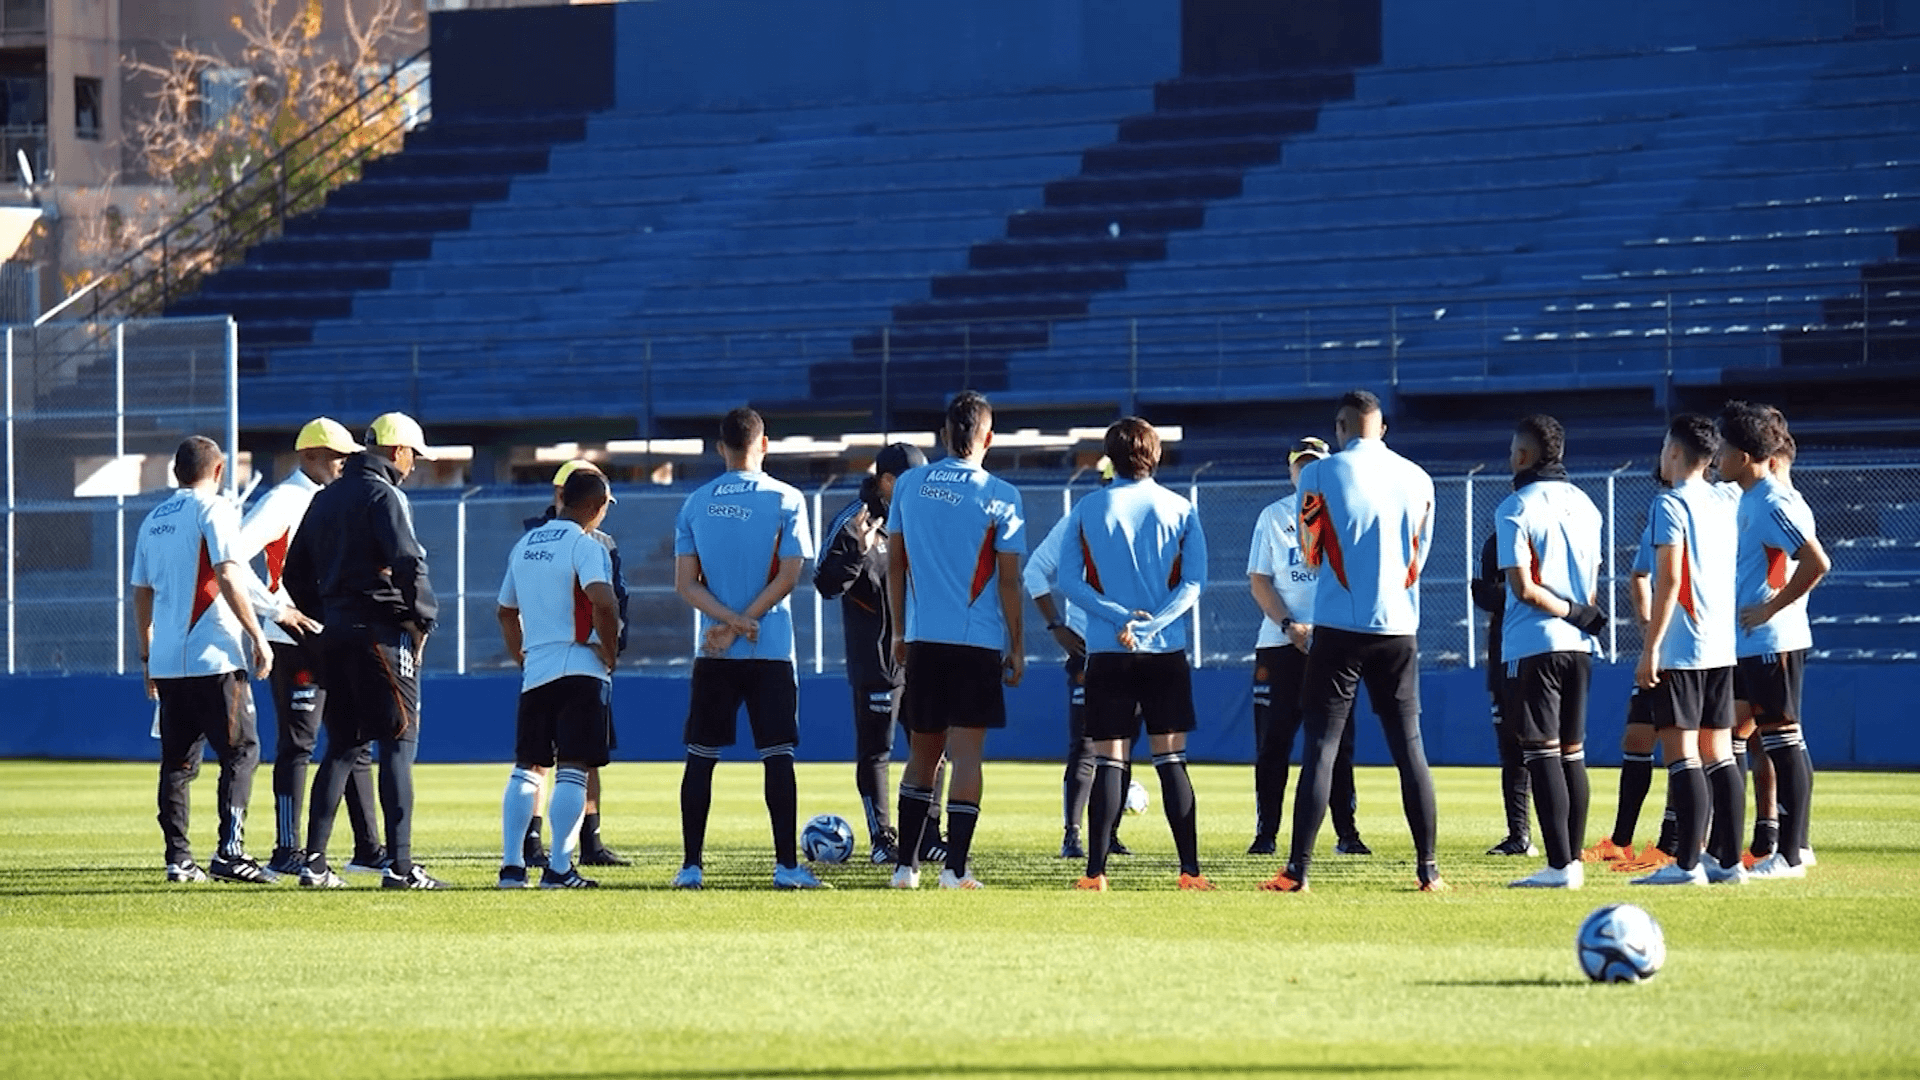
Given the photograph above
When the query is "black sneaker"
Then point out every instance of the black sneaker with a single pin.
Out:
(512, 877)
(1115, 847)
(369, 862)
(569, 880)
(415, 878)
(1351, 845)
(1070, 846)
(1262, 845)
(1514, 845)
(241, 869)
(534, 853)
(603, 855)
(185, 873)
(885, 850)
(933, 849)
(287, 860)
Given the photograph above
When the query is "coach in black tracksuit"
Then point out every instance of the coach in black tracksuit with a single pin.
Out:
(853, 569)
(357, 562)
(1516, 790)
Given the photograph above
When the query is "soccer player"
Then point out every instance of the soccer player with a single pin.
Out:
(1283, 587)
(191, 613)
(953, 578)
(738, 546)
(1489, 592)
(1637, 743)
(357, 563)
(1780, 561)
(1687, 657)
(1549, 546)
(593, 850)
(1366, 522)
(1068, 625)
(299, 700)
(853, 570)
(560, 619)
(1135, 562)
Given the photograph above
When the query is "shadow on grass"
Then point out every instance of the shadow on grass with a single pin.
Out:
(1506, 984)
(886, 1072)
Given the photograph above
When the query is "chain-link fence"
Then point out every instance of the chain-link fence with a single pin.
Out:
(1867, 609)
(93, 413)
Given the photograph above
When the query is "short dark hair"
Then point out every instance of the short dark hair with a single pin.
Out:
(968, 418)
(1133, 447)
(1756, 430)
(1546, 435)
(1695, 436)
(195, 460)
(741, 428)
(586, 490)
(1360, 401)
(1788, 448)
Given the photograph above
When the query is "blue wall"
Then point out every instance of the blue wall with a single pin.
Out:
(471, 718)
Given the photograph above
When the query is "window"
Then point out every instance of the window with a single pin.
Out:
(87, 107)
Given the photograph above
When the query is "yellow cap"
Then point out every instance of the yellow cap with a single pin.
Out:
(572, 467)
(1106, 468)
(326, 432)
(398, 429)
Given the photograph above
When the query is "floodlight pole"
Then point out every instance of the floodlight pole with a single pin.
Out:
(1466, 533)
(1193, 496)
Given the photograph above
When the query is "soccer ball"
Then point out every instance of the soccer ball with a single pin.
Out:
(1137, 801)
(827, 838)
(1621, 943)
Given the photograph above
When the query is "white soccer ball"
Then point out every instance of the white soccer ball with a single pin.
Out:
(1621, 943)
(1137, 800)
(827, 838)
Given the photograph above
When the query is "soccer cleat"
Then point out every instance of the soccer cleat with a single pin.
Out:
(569, 880)
(1723, 875)
(512, 877)
(1748, 859)
(1650, 858)
(240, 869)
(690, 877)
(1606, 851)
(1070, 846)
(951, 880)
(1092, 884)
(797, 877)
(905, 877)
(370, 862)
(1775, 867)
(1435, 885)
(1571, 876)
(320, 877)
(1115, 847)
(185, 873)
(415, 878)
(1195, 883)
(1284, 881)
(288, 861)
(602, 855)
(883, 854)
(1514, 845)
(1351, 845)
(933, 849)
(1672, 874)
(533, 852)
(1262, 845)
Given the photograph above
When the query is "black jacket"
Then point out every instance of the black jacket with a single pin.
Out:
(355, 559)
(859, 580)
(1490, 595)
(613, 555)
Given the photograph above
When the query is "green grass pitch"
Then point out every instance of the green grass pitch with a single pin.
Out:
(111, 972)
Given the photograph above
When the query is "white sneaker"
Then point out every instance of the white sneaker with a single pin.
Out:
(1570, 876)
(1671, 874)
(186, 873)
(950, 880)
(1775, 867)
(906, 877)
(1806, 858)
(1722, 875)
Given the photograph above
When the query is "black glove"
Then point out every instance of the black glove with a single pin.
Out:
(1587, 617)
(870, 494)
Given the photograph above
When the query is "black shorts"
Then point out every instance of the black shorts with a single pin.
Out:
(1341, 660)
(568, 719)
(1693, 699)
(373, 684)
(765, 687)
(1126, 689)
(1640, 708)
(1770, 685)
(1547, 697)
(207, 709)
(952, 686)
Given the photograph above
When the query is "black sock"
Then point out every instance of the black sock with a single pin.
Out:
(1269, 793)
(961, 819)
(590, 832)
(532, 842)
(1176, 793)
(783, 806)
(1516, 786)
(912, 816)
(1740, 759)
(1803, 815)
(696, 797)
(1075, 789)
(1109, 792)
(1793, 785)
(1729, 811)
(1550, 798)
(1766, 838)
(1579, 796)
(1636, 779)
(1126, 785)
(1669, 841)
(1687, 790)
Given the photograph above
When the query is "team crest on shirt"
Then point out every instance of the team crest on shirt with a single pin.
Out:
(1259, 674)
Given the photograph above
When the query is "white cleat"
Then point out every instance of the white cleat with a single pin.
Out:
(1671, 874)
(1570, 876)
(951, 880)
(905, 877)
(1722, 875)
(1775, 867)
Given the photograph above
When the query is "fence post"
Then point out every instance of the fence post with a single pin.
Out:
(233, 405)
(819, 605)
(12, 625)
(1133, 367)
(120, 500)
(1193, 496)
(886, 402)
(1466, 543)
(1610, 573)
(460, 581)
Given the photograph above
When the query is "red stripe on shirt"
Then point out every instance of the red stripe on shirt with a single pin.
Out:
(1093, 572)
(205, 588)
(1686, 586)
(982, 567)
(582, 614)
(1320, 542)
(276, 553)
(1776, 567)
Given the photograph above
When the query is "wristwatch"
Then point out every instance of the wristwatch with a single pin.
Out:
(1286, 625)
(1052, 626)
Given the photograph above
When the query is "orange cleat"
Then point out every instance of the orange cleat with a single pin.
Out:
(1282, 882)
(1748, 858)
(1092, 884)
(1650, 859)
(1436, 885)
(1606, 851)
(1195, 883)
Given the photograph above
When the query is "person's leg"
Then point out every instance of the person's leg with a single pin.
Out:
(1327, 690)
(1076, 789)
(874, 709)
(1636, 771)
(233, 732)
(1270, 754)
(965, 782)
(566, 811)
(297, 700)
(1344, 801)
(517, 804)
(396, 798)
(1686, 791)
(1726, 782)
(1516, 785)
(1176, 796)
(1392, 674)
(1574, 686)
(1107, 799)
(181, 744)
(925, 752)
